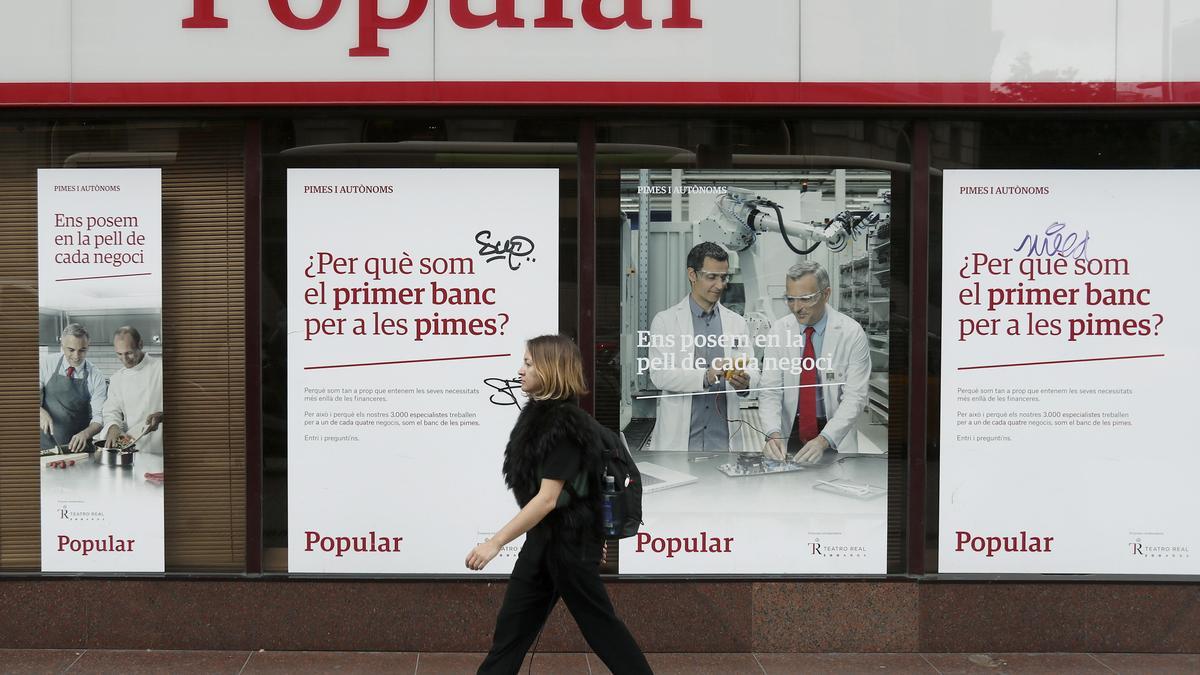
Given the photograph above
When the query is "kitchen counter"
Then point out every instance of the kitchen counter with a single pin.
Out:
(89, 479)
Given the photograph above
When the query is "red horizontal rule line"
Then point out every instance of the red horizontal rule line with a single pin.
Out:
(395, 363)
(601, 93)
(1049, 363)
(107, 276)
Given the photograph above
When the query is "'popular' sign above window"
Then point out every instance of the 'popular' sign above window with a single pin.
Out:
(505, 15)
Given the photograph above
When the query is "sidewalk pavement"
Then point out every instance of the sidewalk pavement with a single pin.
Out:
(293, 663)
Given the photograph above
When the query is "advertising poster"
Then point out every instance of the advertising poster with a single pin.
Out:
(411, 293)
(762, 445)
(100, 356)
(1068, 334)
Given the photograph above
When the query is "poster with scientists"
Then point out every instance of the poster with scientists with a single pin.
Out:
(411, 293)
(754, 369)
(101, 416)
(1068, 344)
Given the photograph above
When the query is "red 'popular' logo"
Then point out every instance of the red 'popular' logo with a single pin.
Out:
(701, 543)
(371, 21)
(990, 546)
(372, 542)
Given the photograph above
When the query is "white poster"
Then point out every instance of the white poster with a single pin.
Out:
(411, 293)
(1067, 356)
(101, 411)
(717, 369)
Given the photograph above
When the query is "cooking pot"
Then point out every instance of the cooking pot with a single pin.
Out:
(114, 456)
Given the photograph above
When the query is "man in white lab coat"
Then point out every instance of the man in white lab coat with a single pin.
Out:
(135, 394)
(816, 366)
(701, 348)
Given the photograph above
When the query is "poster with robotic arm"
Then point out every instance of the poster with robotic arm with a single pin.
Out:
(762, 443)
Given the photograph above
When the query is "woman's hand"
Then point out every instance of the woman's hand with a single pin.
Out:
(481, 555)
(531, 514)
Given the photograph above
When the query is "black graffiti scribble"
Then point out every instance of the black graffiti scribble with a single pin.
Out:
(515, 249)
(503, 394)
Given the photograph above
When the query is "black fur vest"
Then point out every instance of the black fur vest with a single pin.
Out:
(544, 425)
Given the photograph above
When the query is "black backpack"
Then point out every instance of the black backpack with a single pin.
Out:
(618, 463)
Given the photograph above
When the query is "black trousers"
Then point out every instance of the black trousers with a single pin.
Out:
(546, 570)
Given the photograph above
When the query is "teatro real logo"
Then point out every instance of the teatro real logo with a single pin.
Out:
(1147, 545)
(825, 549)
(68, 513)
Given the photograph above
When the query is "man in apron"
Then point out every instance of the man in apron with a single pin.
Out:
(73, 394)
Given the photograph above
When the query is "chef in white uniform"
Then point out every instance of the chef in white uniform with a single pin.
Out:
(135, 394)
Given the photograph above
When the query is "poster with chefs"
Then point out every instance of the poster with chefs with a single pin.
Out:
(411, 293)
(101, 400)
(1068, 346)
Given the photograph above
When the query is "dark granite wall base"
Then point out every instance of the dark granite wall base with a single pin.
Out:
(844, 617)
(1060, 617)
(702, 616)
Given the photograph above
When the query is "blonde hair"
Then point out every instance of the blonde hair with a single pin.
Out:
(559, 366)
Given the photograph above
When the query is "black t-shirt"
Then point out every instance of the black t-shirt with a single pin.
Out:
(562, 463)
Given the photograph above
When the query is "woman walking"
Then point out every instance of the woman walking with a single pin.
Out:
(553, 465)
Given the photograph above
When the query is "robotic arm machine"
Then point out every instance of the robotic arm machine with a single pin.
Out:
(764, 245)
(740, 216)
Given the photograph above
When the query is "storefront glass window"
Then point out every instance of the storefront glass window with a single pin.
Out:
(180, 500)
(1055, 242)
(668, 188)
(374, 145)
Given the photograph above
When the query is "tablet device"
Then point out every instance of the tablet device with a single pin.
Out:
(656, 478)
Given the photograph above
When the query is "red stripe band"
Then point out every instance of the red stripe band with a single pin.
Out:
(395, 363)
(603, 93)
(1050, 363)
(107, 276)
